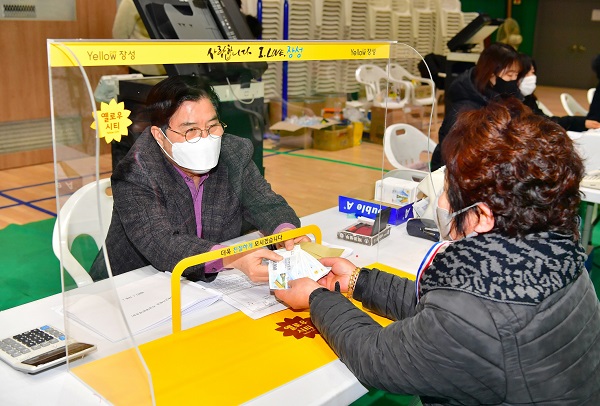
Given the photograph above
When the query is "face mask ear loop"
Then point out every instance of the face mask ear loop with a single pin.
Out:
(161, 147)
(164, 133)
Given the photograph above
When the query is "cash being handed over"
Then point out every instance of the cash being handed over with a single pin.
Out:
(296, 264)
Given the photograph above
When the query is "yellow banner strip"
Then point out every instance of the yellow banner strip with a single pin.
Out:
(225, 252)
(116, 53)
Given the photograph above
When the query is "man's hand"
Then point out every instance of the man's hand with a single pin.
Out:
(250, 263)
(297, 295)
(289, 244)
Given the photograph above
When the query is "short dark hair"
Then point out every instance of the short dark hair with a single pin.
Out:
(165, 97)
(492, 61)
(524, 167)
(527, 63)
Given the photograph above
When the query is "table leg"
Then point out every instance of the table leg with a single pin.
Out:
(587, 224)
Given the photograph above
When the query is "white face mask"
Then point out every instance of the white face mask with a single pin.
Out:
(443, 218)
(527, 85)
(198, 157)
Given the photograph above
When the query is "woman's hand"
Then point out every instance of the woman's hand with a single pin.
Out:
(341, 269)
(251, 263)
(289, 244)
(297, 295)
(592, 124)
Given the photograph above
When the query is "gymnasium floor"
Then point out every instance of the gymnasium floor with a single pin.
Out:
(311, 180)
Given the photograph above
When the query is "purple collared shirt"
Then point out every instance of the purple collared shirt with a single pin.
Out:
(197, 192)
(217, 264)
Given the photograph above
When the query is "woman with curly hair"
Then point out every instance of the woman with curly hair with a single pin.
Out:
(507, 313)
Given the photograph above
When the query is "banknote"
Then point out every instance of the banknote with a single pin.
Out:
(295, 264)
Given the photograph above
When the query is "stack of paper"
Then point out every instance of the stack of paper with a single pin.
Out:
(252, 298)
(146, 304)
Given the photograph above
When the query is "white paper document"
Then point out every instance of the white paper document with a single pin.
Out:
(254, 299)
(146, 304)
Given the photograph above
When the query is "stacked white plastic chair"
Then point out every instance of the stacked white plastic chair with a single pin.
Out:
(402, 31)
(330, 27)
(380, 25)
(424, 19)
(272, 29)
(355, 28)
(449, 23)
(301, 28)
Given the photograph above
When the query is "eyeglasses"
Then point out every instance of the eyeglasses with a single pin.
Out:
(193, 135)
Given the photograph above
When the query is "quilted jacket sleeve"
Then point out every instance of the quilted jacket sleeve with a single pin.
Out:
(424, 352)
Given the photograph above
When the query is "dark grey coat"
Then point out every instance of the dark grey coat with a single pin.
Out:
(153, 219)
(460, 348)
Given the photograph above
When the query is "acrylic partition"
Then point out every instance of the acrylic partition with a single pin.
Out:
(308, 108)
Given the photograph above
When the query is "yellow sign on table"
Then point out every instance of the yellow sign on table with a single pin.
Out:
(227, 361)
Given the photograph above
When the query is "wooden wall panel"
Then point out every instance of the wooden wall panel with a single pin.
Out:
(24, 78)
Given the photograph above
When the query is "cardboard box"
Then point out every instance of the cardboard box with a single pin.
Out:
(289, 129)
(333, 138)
(363, 239)
(299, 107)
(380, 119)
(370, 208)
(422, 91)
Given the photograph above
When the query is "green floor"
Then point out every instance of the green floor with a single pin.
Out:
(29, 270)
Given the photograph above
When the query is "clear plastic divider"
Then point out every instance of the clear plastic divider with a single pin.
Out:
(312, 110)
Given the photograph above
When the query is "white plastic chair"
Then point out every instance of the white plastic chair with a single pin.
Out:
(398, 73)
(571, 106)
(403, 145)
(544, 109)
(590, 94)
(372, 76)
(79, 216)
(406, 174)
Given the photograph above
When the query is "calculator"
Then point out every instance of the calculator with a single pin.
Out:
(41, 348)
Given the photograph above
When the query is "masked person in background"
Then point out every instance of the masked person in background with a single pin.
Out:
(594, 112)
(527, 83)
(185, 186)
(129, 25)
(494, 76)
(507, 314)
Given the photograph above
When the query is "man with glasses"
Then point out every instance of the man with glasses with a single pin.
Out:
(185, 186)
